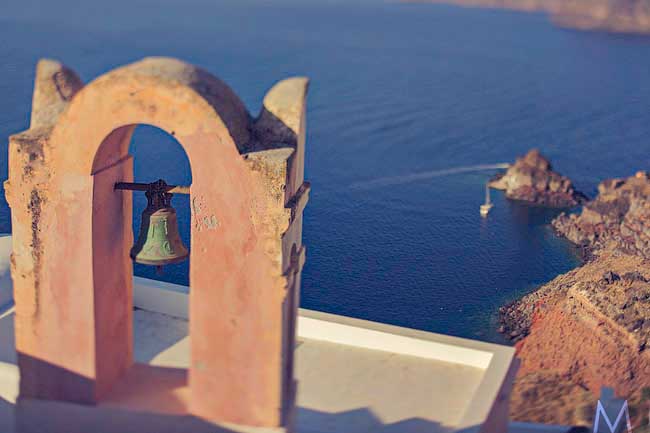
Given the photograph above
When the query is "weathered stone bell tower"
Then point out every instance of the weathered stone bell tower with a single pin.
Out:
(72, 234)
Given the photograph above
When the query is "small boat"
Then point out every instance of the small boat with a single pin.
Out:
(485, 207)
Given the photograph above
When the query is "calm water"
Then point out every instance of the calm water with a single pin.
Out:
(396, 90)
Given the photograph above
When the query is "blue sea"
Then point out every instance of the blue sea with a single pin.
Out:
(406, 100)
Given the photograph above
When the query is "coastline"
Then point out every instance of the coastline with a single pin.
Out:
(613, 16)
(589, 328)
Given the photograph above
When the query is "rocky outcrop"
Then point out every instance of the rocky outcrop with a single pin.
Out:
(618, 219)
(625, 16)
(532, 179)
(590, 327)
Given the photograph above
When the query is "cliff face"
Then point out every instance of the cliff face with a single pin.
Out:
(590, 327)
(532, 179)
(626, 16)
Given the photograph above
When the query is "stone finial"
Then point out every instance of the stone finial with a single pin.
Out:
(280, 120)
(54, 86)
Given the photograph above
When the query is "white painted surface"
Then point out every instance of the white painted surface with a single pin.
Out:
(160, 297)
(350, 389)
(338, 333)
(496, 361)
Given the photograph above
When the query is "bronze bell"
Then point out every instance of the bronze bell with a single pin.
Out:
(159, 242)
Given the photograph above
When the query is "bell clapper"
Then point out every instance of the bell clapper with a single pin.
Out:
(159, 242)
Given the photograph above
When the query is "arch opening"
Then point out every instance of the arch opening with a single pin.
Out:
(158, 155)
(133, 153)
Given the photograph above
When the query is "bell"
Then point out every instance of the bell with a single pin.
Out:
(159, 242)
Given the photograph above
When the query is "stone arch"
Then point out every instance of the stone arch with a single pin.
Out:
(71, 241)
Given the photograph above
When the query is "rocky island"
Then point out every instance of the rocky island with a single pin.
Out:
(590, 327)
(532, 179)
(624, 16)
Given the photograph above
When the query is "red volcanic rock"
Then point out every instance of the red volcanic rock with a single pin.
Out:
(532, 179)
(584, 330)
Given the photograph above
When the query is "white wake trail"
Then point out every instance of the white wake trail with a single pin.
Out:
(408, 178)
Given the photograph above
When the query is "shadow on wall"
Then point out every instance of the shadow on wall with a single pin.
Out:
(6, 286)
(7, 343)
(8, 373)
(363, 420)
(149, 341)
(360, 420)
(7, 352)
(6, 416)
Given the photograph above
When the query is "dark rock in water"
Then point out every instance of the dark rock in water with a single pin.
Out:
(532, 179)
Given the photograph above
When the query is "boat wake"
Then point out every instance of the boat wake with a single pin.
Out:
(415, 177)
